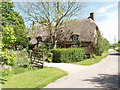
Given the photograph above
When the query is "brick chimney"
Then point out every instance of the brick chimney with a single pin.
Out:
(92, 16)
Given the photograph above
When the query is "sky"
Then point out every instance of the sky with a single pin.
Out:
(106, 18)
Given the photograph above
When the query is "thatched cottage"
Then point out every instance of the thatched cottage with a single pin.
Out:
(81, 31)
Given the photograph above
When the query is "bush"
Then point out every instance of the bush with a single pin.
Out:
(8, 57)
(23, 59)
(94, 59)
(68, 55)
(5, 72)
(45, 48)
(49, 57)
(15, 58)
(9, 36)
(102, 46)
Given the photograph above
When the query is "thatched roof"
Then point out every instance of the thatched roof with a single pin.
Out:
(38, 31)
(85, 28)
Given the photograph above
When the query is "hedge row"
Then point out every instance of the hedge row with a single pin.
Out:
(68, 55)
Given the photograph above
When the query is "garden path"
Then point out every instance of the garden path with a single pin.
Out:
(101, 75)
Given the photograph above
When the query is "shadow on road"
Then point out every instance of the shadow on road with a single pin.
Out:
(106, 81)
(118, 54)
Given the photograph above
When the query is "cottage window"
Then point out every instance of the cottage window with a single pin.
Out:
(75, 37)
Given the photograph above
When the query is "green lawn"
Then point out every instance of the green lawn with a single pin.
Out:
(91, 61)
(34, 79)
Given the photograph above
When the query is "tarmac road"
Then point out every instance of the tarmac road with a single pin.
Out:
(101, 75)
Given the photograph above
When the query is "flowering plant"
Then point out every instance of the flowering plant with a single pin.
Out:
(13, 45)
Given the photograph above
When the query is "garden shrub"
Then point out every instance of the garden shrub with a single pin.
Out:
(45, 48)
(15, 58)
(9, 36)
(5, 72)
(8, 57)
(23, 59)
(68, 55)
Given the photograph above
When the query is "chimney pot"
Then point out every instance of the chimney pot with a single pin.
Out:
(92, 16)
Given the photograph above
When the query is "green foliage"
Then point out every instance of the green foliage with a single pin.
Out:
(43, 21)
(43, 48)
(68, 54)
(49, 57)
(46, 49)
(116, 46)
(91, 61)
(1, 44)
(11, 18)
(23, 59)
(118, 50)
(102, 45)
(5, 72)
(8, 57)
(21, 35)
(9, 36)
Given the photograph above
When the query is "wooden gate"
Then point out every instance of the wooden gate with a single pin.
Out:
(37, 59)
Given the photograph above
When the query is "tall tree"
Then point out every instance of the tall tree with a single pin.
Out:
(53, 15)
(9, 17)
(102, 44)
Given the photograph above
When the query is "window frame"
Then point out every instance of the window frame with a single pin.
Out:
(75, 37)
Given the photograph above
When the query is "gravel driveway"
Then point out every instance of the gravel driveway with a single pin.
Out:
(101, 75)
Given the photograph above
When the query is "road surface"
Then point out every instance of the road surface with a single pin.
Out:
(101, 75)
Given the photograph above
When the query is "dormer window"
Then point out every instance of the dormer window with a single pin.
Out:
(75, 37)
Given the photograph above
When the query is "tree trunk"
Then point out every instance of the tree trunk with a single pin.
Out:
(54, 43)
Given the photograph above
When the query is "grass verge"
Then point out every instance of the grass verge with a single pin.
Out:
(91, 61)
(34, 79)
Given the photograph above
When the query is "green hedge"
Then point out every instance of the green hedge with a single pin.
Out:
(68, 55)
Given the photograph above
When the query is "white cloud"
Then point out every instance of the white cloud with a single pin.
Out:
(106, 8)
(108, 23)
(109, 26)
(109, 15)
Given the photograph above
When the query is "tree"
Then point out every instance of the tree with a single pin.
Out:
(9, 17)
(119, 43)
(102, 44)
(53, 15)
